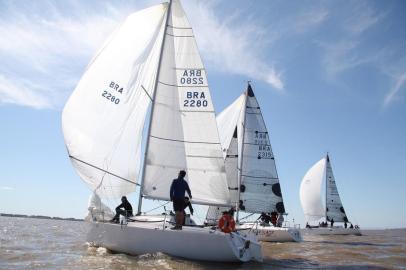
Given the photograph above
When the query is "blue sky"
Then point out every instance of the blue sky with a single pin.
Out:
(329, 76)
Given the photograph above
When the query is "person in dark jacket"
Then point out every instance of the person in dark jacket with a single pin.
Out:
(127, 212)
(177, 194)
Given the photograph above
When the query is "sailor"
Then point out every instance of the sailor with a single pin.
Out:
(279, 221)
(345, 224)
(351, 226)
(177, 194)
(127, 212)
(265, 218)
(187, 204)
(274, 217)
(331, 223)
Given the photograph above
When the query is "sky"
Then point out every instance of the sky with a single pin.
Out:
(329, 77)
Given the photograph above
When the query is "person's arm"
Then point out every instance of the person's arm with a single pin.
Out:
(190, 208)
(171, 191)
(188, 190)
(118, 207)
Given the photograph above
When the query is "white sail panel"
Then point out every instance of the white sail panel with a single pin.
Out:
(260, 188)
(311, 191)
(334, 207)
(183, 133)
(104, 117)
(227, 120)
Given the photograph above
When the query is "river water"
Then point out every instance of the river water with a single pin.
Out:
(27, 243)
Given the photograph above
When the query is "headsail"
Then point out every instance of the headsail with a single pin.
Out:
(260, 188)
(311, 191)
(183, 132)
(104, 117)
(334, 207)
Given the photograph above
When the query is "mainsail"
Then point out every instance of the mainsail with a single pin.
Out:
(104, 118)
(260, 188)
(334, 207)
(311, 191)
(183, 132)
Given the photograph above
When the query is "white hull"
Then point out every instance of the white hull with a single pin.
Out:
(273, 234)
(332, 231)
(194, 243)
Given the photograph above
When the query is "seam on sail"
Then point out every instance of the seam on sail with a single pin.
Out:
(100, 169)
(264, 177)
(174, 140)
(190, 86)
(197, 111)
(177, 27)
(180, 36)
(188, 68)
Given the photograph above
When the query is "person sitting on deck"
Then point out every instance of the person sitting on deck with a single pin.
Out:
(351, 226)
(265, 218)
(127, 212)
(279, 221)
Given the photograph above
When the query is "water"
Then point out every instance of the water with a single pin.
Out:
(56, 244)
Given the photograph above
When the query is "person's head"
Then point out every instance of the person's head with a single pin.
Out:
(123, 199)
(182, 174)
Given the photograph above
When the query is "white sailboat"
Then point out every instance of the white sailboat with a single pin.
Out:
(152, 58)
(255, 187)
(315, 210)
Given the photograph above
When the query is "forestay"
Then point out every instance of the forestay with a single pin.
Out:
(334, 207)
(311, 191)
(260, 189)
(104, 117)
(183, 132)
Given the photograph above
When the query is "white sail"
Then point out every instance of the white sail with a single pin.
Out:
(334, 207)
(260, 189)
(104, 117)
(183, 133)
(311, 191)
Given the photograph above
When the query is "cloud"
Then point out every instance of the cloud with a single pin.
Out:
(231, 46)
(44, 51)
(6, 188)
(400, 82)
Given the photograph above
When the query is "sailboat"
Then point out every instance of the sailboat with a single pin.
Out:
(315, 210)
(151, 61)
(251, 171)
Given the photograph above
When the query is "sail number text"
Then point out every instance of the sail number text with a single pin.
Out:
(113, 88)
(264, 149)
(195, 99)
(191, 77)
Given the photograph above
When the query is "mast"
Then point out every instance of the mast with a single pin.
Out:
(152, 107)
(242, 151)
(325, 207)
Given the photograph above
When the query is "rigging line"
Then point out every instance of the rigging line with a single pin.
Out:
(247, 216)
(159, 206)
(190, 86)
(173, 140)
(100, 169)
(146, 92)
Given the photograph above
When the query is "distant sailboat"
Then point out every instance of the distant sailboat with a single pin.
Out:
(321, 174)
(250, 165)
(152, 58)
